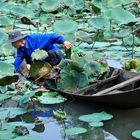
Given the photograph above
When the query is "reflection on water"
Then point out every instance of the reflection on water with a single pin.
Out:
(120, 127)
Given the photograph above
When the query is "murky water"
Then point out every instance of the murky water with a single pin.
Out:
(120, 127)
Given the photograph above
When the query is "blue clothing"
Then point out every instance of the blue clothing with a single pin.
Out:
(37, 41)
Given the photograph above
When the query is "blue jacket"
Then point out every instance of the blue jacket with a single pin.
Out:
(35, 41)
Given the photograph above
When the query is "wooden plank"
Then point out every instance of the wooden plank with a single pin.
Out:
(118, 86)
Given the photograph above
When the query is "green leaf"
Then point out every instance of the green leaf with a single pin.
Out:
(11, 112)
(50, 5)
(25, 98)
(89, 118)
(103, 115)
(79, 4)
(7, 135)
(83, 36)
(5, 21)
(6, 49)
(136, 134)
(11, 125)
(40, 69)
(99, 23)
(75, 131)
(3, 97)
(20, 11)
(46, 98)
(122, 16)
(65, 26)
(69, 3)
(6, 68)
(3, 37)
(96, 124)
(96, 117)
(39, 54)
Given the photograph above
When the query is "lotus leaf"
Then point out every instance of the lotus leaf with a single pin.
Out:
(122, 16)
(6, 80)
(50, 5)
(12, 125)
(6, 49)
(75, 131)
(3, 37)
(136, 134)
(7, 135)
(40, 69)
(39, 54)
(6, 68)
(46, 98)
(65, 26)
(3, 97)
(79, 4)
(11, 112)
(96, 117)
(20, 11)
(99, 23)
(69, 3)
(89, 118)
(5, 21)
(25, 98)
(96, 124)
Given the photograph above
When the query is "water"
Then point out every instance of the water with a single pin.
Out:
(120, 127)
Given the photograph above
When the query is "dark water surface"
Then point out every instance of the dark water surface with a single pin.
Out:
(120, 127)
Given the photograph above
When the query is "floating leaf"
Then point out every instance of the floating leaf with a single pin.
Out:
(89, 118)
(75, 131)
(136, 134)
(11, 125)
(7, 135)
(11, 112)
(46, 98)
(96, 124)
(96, 117)
(25, 98)
(3, 97)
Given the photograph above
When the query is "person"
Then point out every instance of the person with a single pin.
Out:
(26, 44)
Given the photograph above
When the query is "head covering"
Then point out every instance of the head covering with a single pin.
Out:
(15, 35)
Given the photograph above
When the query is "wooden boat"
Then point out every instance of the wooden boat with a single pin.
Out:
(121, 90)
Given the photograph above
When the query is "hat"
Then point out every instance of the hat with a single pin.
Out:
(15, 35)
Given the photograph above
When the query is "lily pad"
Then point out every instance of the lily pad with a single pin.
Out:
(136, 134)
(12, 125)
(46, 98)
(96, 117)
(11, 112)
(25, 98)
(75, 131)
(96, 124)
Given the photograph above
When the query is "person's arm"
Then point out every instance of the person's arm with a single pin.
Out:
(18, 60)
(60, 40)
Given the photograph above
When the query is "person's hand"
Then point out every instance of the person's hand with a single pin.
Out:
(67, 44)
